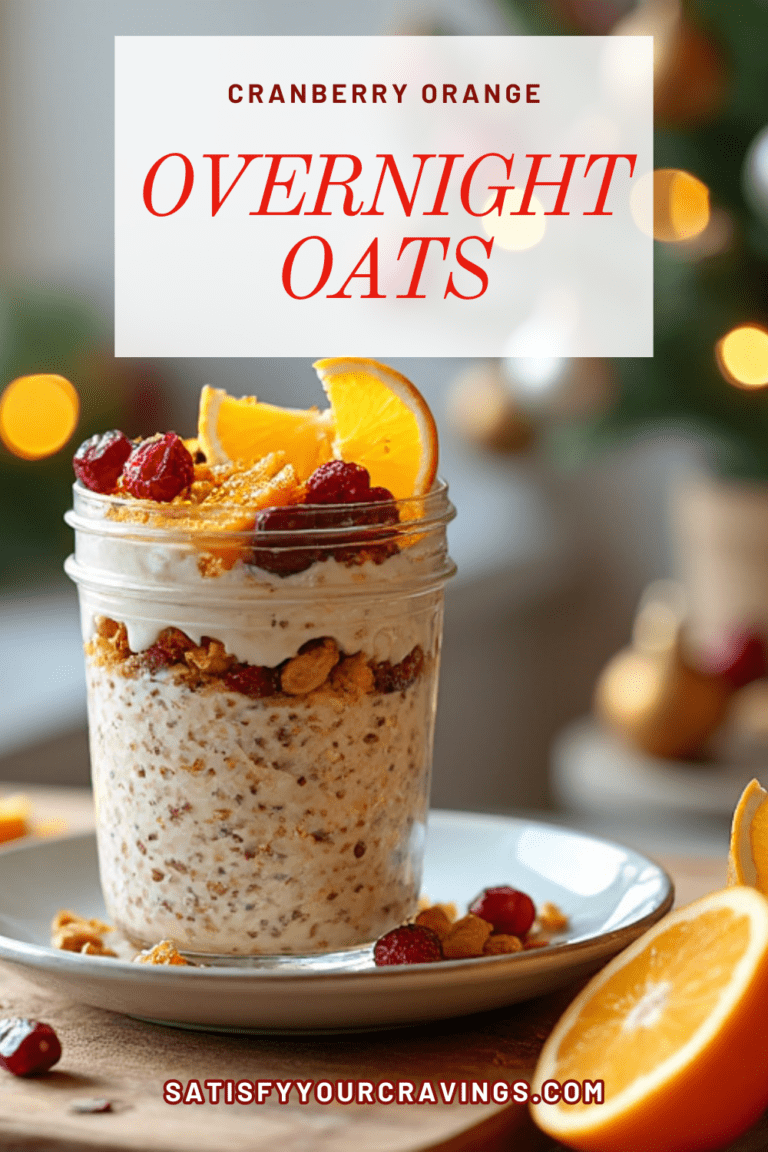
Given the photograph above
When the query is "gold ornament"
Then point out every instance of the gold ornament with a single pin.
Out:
(656, 701)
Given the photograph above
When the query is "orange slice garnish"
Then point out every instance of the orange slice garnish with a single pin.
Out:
(672, 1033)
(245, 430)
(748, 853)
(382, 422)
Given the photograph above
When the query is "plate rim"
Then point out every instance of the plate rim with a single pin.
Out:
(46, 958)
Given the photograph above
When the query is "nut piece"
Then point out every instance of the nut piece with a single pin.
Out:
(353, 674)
(110, 644)
(436, 919)
(500, 944)
(309, 669)
(466, 938)
(73, 933)
(91, 949)
(163, 953)
(551, 918)
(533, 940)
(213, 658)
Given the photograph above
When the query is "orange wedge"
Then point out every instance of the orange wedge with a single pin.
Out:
(14, 817)
(672, 1033)
(245, 430)
(382, 422)
(748, 853)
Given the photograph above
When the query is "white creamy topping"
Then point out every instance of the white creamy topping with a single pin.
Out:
(260, 618)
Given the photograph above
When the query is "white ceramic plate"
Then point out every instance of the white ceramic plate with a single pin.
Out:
(610, 893)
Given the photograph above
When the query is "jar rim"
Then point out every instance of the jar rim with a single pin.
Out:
(104, 514)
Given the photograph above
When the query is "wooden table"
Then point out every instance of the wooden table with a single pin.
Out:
(127, 1062)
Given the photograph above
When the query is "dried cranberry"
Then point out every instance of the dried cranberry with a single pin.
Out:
(99, 461)
(409, 944)
(740, 658)
(511, 912)
(396, 677)
(27, 1046)
(159, 469)
(338, 482)
(252, 680)
(289, 558)
(168, 649)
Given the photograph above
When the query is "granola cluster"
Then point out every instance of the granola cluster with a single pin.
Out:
(73, 933)
(470, 936)
(318, 665)
(438, 933)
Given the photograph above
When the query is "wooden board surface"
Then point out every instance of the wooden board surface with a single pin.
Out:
(127, 1061)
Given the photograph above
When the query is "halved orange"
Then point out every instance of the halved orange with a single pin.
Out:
(672, 1033)
(382, 422)
(748, 853)
(245, 430)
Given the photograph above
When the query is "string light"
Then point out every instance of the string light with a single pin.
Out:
(742, 356)
(515, 233)
(671, 205)
(38, 414)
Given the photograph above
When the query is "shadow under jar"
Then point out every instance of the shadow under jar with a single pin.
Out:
(261, 710)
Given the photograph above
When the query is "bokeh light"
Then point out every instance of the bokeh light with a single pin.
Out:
(670, 205)
(515, 233)
(38, 414)
(742, 356)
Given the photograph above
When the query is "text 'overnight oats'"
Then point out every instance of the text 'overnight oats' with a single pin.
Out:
(262, 645)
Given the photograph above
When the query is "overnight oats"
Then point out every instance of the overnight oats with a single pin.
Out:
(262, 636)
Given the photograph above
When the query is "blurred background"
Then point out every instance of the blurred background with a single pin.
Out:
(580, 484)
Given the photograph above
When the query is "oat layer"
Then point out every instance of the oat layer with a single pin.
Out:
(254, 826)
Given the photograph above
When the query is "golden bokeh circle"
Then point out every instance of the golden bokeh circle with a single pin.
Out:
(671, 205)
(38, 414)
(742, 356)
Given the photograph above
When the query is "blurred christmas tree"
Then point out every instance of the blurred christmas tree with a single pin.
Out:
(711, 113)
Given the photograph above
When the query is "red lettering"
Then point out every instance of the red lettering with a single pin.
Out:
(326, 182)
(338, 97)
(501, 190)
(273, 182)
(442, 188)
(276, 95)
(468, 266)
(470, 95)
(611, 158)
(234, 88)
(371, 254)
(429, 93)
(318, 93)
(378, 93)
(254, 93)
(514, 89)
(149, 184)
(215, 158)
(358, 93)
(288, 267)
(390, 166)
(529, 94)
(325, 273)
(424, 243)
(562, 183)
(298, 94)
(449, 93)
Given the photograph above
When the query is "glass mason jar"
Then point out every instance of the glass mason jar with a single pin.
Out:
(261, 710)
